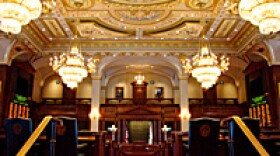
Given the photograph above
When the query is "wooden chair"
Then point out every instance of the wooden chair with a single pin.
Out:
(67, 137)
(203, 137)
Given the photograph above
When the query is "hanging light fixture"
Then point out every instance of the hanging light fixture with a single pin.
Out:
(264, 13)
(71, 66)
(139, 79)
(16, 13)
(205, 66)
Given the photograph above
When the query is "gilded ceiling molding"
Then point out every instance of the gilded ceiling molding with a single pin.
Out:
(93, 30)
(248, 39)
(188, 30)
(201, 4)
(34, 37)
(70, 5)
(262, 50)
(138, 4)
(19, 48)
(139, 17)
(159, 46)
(54, 27)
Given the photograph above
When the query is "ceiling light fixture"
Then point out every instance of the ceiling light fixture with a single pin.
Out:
(16, 13)
(265, 14)
(71, 66)
(205, 66)
(139, 79)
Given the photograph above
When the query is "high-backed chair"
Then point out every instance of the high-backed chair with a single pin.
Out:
(203, 137)
(67, 137)
(17, 131)
(239, 145)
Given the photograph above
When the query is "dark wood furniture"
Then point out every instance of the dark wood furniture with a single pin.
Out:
(121, 114)
(139, 92)
(203, 134)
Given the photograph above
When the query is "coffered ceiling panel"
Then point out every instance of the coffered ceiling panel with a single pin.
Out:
(226, 26)
(54, 27)
(115, 22)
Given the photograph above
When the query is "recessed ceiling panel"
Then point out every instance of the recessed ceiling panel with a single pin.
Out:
(226, 26)
(54, 27)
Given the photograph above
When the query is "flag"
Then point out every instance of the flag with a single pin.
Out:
(126, 136)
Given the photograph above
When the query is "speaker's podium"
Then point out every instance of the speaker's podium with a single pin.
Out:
(17, 131)
(203, 137)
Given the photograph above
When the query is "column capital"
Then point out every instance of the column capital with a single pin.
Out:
(96, 77)
(183, 77)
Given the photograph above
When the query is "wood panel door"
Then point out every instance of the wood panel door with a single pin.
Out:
(139, 93)
(210, 95)
(69, 94)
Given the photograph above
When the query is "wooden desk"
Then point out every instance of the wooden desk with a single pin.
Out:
(44, 137)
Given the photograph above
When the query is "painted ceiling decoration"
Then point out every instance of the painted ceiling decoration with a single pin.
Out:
(141, 26)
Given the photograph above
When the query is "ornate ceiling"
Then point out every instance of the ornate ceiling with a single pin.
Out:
(131, 27)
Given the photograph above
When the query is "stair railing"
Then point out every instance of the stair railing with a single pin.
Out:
(35, 135)
(255, 142)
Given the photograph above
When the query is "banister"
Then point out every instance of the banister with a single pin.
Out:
(34, 136)
(255, 142)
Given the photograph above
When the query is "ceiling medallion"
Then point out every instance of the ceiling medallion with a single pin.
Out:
(139, 4)
(139, 17)
(200, 4)
(81, 4)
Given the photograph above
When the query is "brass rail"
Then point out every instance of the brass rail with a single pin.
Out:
(24, 149)
(255, 142)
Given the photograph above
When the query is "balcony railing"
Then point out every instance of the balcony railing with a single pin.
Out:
(219, 101)
(143, 101)
(76, 101)
(192, 101)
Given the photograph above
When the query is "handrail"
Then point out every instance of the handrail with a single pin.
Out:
(24, 149)
(255, 142)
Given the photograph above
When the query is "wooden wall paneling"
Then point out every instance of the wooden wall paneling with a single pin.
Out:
(124, 127)
(155, 140)
(160, 125)
(210, 95)
(119, 130)
(274, 99)
(5, 94)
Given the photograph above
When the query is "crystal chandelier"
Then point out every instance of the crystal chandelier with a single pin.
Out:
(139, 79)
(205, 66)
(16, 13)
(71, 67)
(265, 13)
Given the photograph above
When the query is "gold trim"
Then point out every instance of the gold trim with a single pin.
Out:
(24, 149)
(250, 136)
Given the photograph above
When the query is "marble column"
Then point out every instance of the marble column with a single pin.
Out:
(176, 93)
(95, 102)
(184, 102)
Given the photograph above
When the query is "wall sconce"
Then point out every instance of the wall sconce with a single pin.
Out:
(185, 114)
(94, 114)
(165, 129)
(113, 129)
